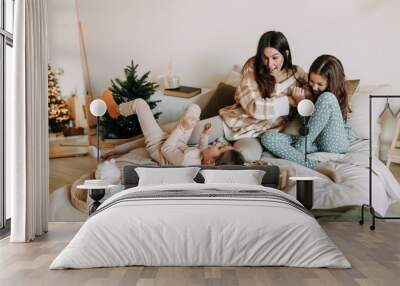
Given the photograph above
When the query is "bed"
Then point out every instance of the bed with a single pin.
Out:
(353, 191)
(201, 224)
(329, 198)
(212, 224)
(161, 222)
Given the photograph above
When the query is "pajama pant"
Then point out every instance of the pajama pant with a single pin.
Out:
(163, 147)
(327, 133)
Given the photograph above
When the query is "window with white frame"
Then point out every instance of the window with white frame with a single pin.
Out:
(6, 63)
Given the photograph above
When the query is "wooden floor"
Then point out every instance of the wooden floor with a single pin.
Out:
(374, 255)
(64, 171)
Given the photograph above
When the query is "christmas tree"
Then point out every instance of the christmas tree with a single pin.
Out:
(57, 107)
(134, 86)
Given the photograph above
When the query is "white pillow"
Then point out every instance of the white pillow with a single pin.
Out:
(359, 118)
(166, 176)
(248, 177)
(233, 78)
(250, 148)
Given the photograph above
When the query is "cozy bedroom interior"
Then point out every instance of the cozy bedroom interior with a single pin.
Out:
(199, 142)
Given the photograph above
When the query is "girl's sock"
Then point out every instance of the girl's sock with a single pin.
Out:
(127, 108)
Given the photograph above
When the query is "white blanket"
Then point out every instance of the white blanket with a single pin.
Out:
(353, 167)
(182, 231)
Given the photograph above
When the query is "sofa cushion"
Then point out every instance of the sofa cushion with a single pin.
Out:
(223, 96)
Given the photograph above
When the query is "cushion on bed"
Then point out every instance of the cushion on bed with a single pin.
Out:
(223, 96)
(233, 77)
(166, 176)
(130, 178)
(351, 86)
(359, 118)
(247, 177)
(250, 148)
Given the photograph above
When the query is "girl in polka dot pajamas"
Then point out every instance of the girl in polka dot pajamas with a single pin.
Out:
(328, 131)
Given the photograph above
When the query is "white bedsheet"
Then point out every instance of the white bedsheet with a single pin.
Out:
(207, 231)
(354, 188)
(352, 167)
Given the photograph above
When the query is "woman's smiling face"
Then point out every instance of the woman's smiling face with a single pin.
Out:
(273, 59)
(317, 83)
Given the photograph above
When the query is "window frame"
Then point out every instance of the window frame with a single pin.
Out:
(6, 39)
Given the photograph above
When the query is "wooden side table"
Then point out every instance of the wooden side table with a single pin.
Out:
(305, 190)
(96, 194)
(97, 191)
(96, 197)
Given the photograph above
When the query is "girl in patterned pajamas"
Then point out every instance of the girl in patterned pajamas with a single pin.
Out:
(328, 131)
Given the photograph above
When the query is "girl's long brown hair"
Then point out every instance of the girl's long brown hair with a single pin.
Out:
(332, 70)
(265, 80)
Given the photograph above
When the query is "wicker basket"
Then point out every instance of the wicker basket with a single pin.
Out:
(79, 196)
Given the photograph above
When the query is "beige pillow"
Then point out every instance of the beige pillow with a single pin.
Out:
(351, 87)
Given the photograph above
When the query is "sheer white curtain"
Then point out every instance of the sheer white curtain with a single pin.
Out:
(27, 124)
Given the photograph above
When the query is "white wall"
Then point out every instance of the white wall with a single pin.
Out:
(203, 39)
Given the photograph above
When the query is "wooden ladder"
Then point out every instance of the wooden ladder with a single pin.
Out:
(394, 151)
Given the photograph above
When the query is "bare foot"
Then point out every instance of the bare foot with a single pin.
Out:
(331, 173)
(112, 106)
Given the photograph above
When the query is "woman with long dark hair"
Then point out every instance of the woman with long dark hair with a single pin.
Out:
(328, 131)
(264, 95)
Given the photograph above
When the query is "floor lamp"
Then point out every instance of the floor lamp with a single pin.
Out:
(305, 185)
(306, 109)
(98, 108)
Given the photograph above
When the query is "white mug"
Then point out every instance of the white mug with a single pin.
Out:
(174, 82)
(168, 81)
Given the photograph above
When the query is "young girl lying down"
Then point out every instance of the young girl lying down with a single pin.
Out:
(172, 148)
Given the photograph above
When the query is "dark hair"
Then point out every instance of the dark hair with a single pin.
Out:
(265, 80)
(231, 157)
(332, 70)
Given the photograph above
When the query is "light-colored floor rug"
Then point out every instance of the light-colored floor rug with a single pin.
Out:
(394, 210)
(61, 209)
